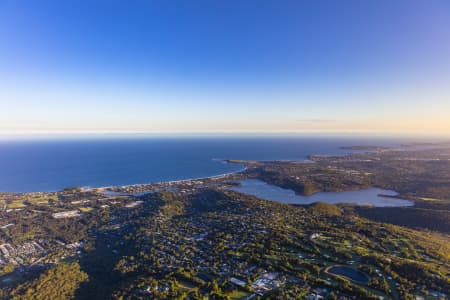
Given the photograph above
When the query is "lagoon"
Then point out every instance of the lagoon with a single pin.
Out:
(371, 196)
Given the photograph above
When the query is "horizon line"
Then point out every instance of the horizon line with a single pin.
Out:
(68, 134)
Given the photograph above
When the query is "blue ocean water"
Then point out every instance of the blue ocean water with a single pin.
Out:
(53, 164)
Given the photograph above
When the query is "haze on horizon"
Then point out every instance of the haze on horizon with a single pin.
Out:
(225, 66)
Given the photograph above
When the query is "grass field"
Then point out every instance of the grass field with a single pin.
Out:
(86, 209)
(238, 294)
(31, 199)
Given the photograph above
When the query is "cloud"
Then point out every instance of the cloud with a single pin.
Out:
(317, 121)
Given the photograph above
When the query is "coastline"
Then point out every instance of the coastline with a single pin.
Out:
(310, 159)
(114, 188)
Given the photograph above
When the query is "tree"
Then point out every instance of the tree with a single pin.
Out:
(59, 282)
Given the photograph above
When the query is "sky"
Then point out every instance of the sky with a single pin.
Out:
(374, 66)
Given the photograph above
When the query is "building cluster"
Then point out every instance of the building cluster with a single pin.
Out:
(184, 186)
(268, 281)
(37, 252)
(67, 214)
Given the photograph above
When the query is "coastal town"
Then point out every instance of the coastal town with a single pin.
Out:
(199, 239)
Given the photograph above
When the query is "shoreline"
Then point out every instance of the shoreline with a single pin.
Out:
(171, 182)
(310, 159)
(109, 187)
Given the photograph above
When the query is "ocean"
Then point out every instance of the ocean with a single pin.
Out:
(51, 164)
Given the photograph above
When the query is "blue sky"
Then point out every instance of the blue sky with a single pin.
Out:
(225, 66)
